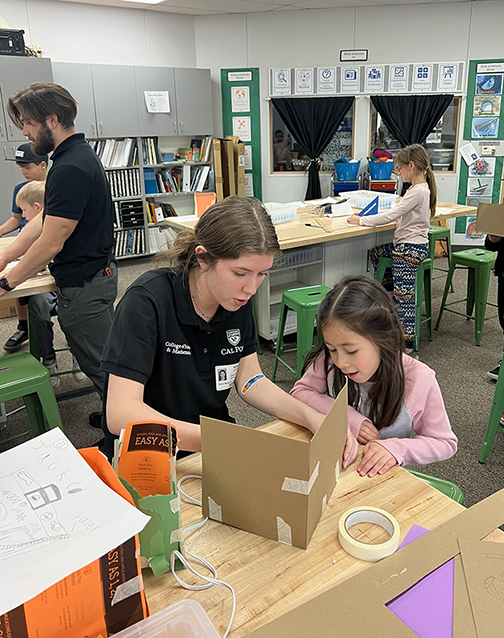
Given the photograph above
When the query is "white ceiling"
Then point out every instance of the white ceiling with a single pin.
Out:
(214, 7)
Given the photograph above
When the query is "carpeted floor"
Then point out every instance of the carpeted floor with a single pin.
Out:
(460, 366)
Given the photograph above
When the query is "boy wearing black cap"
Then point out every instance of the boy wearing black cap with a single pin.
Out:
(33, 168)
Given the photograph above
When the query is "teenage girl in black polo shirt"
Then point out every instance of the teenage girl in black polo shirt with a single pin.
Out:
(183, 335)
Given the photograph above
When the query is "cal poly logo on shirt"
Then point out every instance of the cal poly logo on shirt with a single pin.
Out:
(233, 336)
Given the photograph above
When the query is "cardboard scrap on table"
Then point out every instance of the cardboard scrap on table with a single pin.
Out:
(490, 219)
(339, 610)
(274, 480)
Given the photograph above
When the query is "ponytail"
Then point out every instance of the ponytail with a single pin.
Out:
(431, 183)
(183, 251)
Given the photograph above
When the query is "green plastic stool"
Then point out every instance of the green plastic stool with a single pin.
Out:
(35, 351)
(448, 489)
(21, 375)
(440, 233)
(423, 288)
(496, 411)
(479, 263)
(305, 302)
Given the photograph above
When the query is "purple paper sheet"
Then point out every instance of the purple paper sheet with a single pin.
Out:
(427, 608)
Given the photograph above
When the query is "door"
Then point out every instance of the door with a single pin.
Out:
(77, 79)
(151, 78)
(194, 101)
(115, 100)
(16, 74)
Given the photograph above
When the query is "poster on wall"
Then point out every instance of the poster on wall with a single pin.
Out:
(374, 78)
(326, 79)
(483, 167)
(280, 81)
(474, 201)
(248, 157)
(486, 105)
(240, 99)
(448, 77)
(249, 185)
(489, 84)
(350, 79)
(485, 127)
(480, 186)
(398, 77)
(422, 77)
(241, 127)
(470, 231)
(304, 81)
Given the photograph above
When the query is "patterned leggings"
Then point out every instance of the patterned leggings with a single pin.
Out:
(401, 279)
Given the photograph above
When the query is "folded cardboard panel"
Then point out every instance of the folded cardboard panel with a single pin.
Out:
(228, 167)
(276, 480)
(338, 611)
(217, 153)
(239, 163)
(490, 219)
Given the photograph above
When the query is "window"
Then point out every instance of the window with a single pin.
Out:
(440, 145)
(287, 155)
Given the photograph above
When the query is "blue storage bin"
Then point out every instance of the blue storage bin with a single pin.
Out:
(346, 171)
(381, 170)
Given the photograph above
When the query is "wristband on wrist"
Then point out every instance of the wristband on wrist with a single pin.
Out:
(4, 284)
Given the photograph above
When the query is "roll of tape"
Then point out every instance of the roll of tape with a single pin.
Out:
(368, 551)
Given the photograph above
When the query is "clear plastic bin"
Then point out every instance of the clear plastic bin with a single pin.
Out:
(281, 213)
(185, 619)
(360, 199)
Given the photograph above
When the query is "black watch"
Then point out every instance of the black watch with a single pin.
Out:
(5, 284)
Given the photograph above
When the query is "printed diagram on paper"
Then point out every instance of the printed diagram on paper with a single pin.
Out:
(28, 514)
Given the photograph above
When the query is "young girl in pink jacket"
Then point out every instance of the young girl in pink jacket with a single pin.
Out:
(395, 407)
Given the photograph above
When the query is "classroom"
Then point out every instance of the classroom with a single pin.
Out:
(181, 100)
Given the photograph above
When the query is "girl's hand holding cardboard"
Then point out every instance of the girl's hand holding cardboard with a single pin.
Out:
(375, 460)
(367, 432)
(351, 449)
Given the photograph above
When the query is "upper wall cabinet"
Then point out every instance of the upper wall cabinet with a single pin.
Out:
(15, 74)
(193, 90)
(111, 99)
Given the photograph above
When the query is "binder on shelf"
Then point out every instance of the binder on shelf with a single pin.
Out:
(203, 175)
(186, 178)
(150, 181)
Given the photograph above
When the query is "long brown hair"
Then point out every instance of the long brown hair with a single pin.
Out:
(228, 229)
(363, 305)
(417, 154)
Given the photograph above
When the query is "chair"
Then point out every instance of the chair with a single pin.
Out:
(479, 264)
(305, 302)
(496, 411)
(423, 287)
(21, 375)
(448, 489)
(35, 352)
(440, 233)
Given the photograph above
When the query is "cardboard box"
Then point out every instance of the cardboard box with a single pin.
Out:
(8, 308)
(490, 219)
(217, 152)
(228, 167)
(275, 480)
(239, 164)
(478, 607)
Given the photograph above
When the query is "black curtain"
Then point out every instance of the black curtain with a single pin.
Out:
(313, 123)
(411, 118)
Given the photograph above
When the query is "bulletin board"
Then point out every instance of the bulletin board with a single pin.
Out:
(241, 116)
(484, 122)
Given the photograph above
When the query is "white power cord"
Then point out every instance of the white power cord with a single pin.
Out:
(176, 554)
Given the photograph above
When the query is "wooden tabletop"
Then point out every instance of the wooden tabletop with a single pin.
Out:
(295, 234)
(42, 282)
(268, 577)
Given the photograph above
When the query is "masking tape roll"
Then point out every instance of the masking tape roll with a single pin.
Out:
(368, 551)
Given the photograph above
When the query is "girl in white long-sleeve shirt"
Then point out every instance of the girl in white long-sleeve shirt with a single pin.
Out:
(411, 241)
(395, 407)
